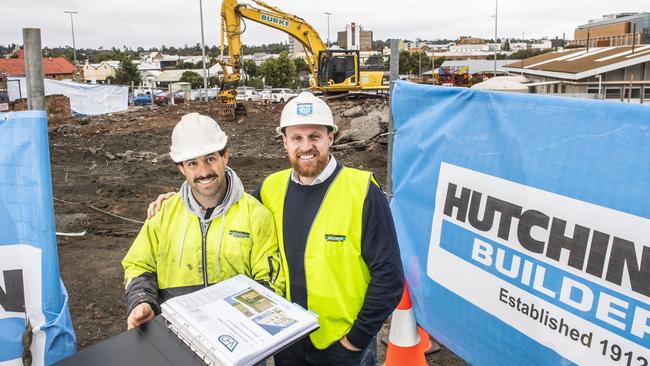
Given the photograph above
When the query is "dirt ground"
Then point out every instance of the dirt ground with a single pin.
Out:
(118, 163)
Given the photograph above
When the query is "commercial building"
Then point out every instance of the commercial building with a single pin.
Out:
(621, 29)
(599, 73)
(295, 47)
(355, 38)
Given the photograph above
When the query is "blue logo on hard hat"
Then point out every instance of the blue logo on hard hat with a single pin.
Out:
(304, 109)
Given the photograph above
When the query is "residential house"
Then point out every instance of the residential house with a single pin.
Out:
(169, 62)
(57, 68)
(98, 73)
(151, 56)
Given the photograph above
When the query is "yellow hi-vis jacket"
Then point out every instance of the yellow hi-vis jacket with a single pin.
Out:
(336, 275)
(171, 255)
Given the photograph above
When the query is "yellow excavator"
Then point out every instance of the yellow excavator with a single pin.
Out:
(333, 71)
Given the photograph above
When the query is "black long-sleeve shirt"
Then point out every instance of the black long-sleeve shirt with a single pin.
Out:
(379, 250)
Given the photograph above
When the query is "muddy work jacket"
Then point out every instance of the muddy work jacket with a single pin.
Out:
(173, 256)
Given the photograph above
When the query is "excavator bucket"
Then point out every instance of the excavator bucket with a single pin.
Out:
(228, 111)
(224, 111)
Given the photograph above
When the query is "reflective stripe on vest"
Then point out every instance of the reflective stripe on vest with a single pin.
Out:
(336, 275)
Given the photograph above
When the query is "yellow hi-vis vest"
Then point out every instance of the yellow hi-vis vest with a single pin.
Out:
(336, 275)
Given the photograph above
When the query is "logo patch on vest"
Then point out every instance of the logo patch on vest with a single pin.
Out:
(335, 238)
(239, 234)
(304, 109)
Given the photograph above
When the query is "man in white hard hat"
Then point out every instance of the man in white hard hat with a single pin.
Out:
(337, 240)
(208, 232)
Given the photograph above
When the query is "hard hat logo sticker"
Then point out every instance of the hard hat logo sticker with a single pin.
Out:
(304, 109)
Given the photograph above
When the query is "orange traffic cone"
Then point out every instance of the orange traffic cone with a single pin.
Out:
(428, 347)
(404, 346)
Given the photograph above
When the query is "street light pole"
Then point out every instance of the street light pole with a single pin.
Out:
(205, 74)
(74, 46)
(328, 28)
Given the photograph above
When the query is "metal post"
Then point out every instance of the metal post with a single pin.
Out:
(394, 71)
(34, 68)
(496, 9)
(433, 66)
(328, 28)
(420, 64)
(74, 46)
(205, 74)
(629, 91)
(600, 86)
(522, 54)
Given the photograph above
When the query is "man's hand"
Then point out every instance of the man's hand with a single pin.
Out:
(345, 343)
(139, 315)
(155, 206)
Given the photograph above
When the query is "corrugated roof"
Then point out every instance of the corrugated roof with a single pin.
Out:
(51, 66)
(577, 63)
(477, 66)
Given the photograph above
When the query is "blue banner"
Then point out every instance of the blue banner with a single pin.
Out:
(524, 224)
(32, 295)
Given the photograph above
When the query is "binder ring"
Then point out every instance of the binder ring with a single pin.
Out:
(191, 344)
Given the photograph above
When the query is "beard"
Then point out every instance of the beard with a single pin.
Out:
(310, 169)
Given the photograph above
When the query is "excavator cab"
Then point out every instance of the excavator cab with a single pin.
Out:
(338, 70)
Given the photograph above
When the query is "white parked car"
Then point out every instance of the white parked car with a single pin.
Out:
(213, 93)
(282, 95)
(266, 95)
(245, 93)
(197, 94)
(249, 96)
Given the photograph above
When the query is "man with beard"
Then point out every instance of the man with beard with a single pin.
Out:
(208, 232)
(337, 240)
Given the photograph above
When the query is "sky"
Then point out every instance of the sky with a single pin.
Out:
(153, 23)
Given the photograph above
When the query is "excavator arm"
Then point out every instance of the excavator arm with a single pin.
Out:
(232, 15)
(333, 71)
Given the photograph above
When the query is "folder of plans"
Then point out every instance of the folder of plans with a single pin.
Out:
(236, 322)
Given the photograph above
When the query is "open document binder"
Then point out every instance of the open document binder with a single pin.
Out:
(236, 322)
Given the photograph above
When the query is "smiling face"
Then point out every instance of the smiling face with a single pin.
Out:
(207, 178)
(307, 149)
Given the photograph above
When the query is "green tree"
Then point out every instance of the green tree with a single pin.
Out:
(256, 83)
(374, 59)
(437, 62)
(250, 68)
(193, 78)
(187, 65)
(279, 72)
(301, 65)
(213, 81)
(127, 73)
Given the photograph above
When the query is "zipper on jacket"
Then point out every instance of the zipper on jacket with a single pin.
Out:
(204, 250)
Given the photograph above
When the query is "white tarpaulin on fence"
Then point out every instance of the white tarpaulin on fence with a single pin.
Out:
(84, 98)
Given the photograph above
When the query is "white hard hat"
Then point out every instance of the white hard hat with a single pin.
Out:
(196, 135)
(306, 109)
